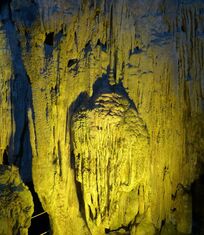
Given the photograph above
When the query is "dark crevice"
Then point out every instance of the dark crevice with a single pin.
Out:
(80, 199)
(18, 157)
(111, 27)
(183, 26)
(82, 99)
(72, 160)
(105, 7)
(163, 222)
(124, 229)
(72, 62)
(5, 157)
(197, 191)
(58, 37)
(136, 50)
(52, 40)
(107, 230)
(115, 65)
(49, 39)
(24, 157)
(87, 48)
(48, 44)
(47, 111)
(78, 186)
(173, 209)
(76, 40)
(60, 157)
(67, 126)
(28, 39)
(73, 65)
(91, 4)
(91, 214)
(54, 91)
(40, 220)
(103, 46)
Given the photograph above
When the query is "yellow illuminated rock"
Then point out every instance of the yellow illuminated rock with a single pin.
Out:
(105, 162)
(111, 158)
(16, 204)
(6, 123)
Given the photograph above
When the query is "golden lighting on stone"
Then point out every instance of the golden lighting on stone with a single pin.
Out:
(111, 149)
(101, 110)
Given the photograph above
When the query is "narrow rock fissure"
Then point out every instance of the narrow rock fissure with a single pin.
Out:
(125, 230)
(40, 220)
(48, 44)
(73, 108)
(197, 205)
(5, 157)
(49, 39)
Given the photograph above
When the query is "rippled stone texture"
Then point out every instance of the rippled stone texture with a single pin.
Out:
(53, 51)
(16, 203)
(111, 157)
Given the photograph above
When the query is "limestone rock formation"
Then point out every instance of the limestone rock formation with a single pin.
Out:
(52, 109)
(16, 204)
(111, 158)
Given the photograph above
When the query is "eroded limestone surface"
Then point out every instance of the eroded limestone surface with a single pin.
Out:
(16, 203)
(53, 51)
(111, 150)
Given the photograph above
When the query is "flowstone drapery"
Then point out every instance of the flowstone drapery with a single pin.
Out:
(110, 142)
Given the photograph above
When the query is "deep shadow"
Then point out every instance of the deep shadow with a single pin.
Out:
(48, 44)
(72, 62)
(124, 230)
(81, 100)
(102, 85)
(19, 149)
(102, 46)
(87, 48)
(39, 224)
(74, 107)
(5, 157)
(197, 190)
(49, 39)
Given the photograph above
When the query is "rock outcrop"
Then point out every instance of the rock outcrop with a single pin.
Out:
(16, 204)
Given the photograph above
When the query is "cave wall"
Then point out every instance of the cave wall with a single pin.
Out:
(55, 55)
(16, 204)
